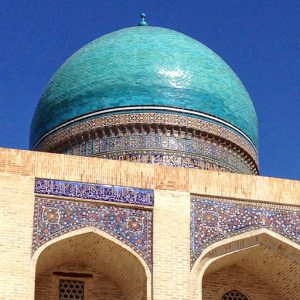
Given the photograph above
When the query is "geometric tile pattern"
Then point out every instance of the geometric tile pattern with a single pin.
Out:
(88, 191)
(61, 135)
(215, 219)
(157, 148)
(53, 218)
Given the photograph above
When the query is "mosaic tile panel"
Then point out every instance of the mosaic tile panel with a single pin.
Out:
(88, 191)
(175, 160)
(53, 218)
(215, 219)
(157, 148)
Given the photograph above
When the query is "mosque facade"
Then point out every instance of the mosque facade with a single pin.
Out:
(142, 182)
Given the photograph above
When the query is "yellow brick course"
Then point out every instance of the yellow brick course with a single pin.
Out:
(96, 170)
(216, 284)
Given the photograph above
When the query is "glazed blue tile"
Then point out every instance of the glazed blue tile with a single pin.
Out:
(144, 66)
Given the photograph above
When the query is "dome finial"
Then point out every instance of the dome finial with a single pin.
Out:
(143, 20)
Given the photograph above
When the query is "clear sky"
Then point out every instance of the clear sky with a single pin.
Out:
(259, 39)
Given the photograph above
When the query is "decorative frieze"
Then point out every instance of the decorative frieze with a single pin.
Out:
(176, 151)
(146, 118)
(153, 131)
(89, 191)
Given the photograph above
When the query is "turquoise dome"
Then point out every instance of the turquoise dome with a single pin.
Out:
(145, 66)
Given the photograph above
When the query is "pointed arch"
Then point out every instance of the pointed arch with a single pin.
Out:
(102, 248)
(249, 241)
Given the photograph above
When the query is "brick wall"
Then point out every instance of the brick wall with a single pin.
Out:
(16, 207)
(216, 284)
(171, 246)
(99, 287)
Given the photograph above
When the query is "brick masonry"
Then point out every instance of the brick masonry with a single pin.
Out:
(171, 222)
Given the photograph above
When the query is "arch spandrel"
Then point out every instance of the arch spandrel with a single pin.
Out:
(216, 219)
(56, 217)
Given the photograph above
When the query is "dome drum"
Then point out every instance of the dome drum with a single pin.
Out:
(156, 139)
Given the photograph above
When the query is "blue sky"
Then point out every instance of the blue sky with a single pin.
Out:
(259, 39)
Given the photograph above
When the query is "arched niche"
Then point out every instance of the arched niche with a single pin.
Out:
(109, 268)
(260, 264)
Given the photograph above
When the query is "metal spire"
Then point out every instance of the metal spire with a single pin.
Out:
(143, 20)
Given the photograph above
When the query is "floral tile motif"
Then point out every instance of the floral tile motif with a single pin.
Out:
(89, 191)
(216, 219)
(53, 218)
